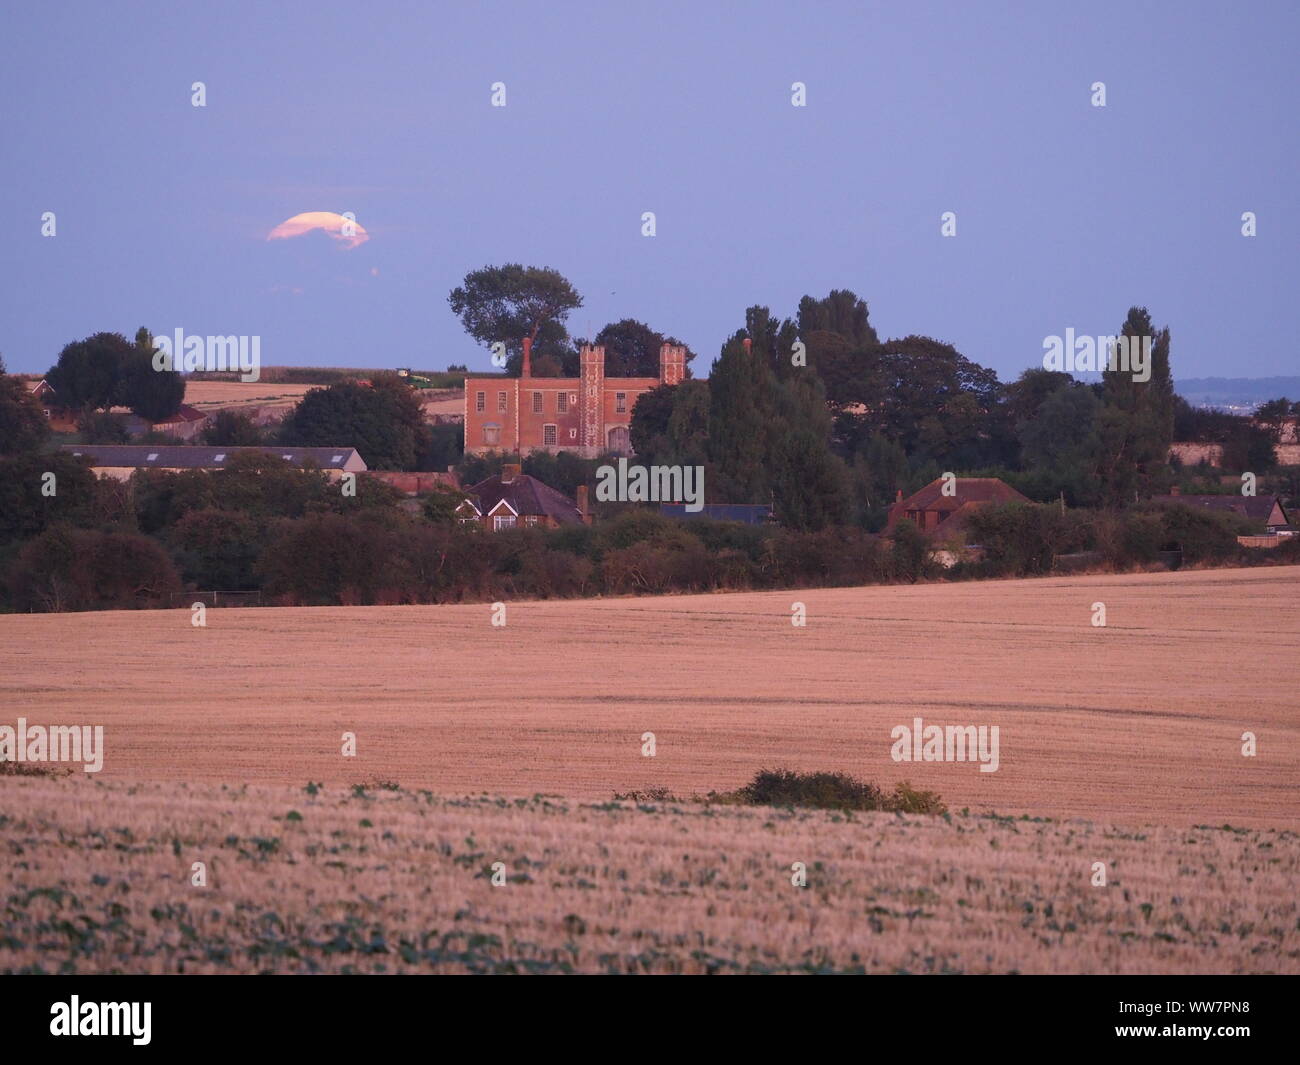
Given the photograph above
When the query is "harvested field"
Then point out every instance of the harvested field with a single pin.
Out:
(216, 395)
(98, 877)
(1138, 722)
(236, 395)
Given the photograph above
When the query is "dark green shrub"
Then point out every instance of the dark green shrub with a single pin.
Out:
(830, 791)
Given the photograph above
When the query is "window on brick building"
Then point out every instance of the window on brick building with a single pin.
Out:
(503, 521)
(491, 433)
(562, 402)
(501, 401)
(620, 402)
(480, 401)
(537, 403)
(548, 435)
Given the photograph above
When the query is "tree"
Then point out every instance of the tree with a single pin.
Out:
(154, 395)
(842, 313)
(507, 303)
(670, 424)
(26, 509)
(1060, 442)
(66, 568)
(446, 446)
(1273, 415)
(88, 374)
(232, 428)
(810, 484)
(742, 422)
(842, 347)
(923, 379)
(1027, 393)
(102, 427)
(217, 548)
(1136, 425)
(384, 422)
(632, 349)
(23, 426)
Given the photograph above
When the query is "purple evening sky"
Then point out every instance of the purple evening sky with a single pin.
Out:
(1066, 213)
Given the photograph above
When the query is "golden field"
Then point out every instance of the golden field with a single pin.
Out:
(1138, 722)
(99, 877)
(221, 395)
(215, 395)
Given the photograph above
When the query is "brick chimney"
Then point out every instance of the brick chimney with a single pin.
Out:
(527, 370)
(1175, 491)
(511, 471)
(582, 503)
(899, 498)
(749, 345)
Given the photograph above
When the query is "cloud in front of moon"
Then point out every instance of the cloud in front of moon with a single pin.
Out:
(348, 232)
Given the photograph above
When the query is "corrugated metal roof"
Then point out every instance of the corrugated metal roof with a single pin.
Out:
(746, 513)
(160, 456)
(1257, 508)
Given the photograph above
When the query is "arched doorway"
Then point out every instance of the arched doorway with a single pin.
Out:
(619, 440)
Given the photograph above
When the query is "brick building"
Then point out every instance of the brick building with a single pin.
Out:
(590, 414)
(943, 517)
(512, 499)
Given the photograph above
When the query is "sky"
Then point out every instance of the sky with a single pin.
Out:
(1066, 213)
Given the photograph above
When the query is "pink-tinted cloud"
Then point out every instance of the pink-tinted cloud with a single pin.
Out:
(349, 233)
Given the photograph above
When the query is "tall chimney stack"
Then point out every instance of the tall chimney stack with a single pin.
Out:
(528, 358)
(582, 503)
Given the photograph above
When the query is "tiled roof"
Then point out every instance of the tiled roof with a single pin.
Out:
(163, 456)
(526, 495)
(970, 493)
(967, 490)
(186, 413)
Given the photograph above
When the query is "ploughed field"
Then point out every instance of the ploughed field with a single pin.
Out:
(101, 875)
(1137, 722)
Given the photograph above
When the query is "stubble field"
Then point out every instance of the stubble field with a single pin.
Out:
(212, 734)
(1140, 720)
(100, 877)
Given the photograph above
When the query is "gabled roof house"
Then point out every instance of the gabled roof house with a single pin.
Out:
(943, 517)
(512, 498)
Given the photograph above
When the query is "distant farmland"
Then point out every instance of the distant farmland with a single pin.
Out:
(1138, 722)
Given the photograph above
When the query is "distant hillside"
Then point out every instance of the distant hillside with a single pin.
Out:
(1236, 391)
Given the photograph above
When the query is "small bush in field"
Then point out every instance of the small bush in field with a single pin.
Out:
(829, 791)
